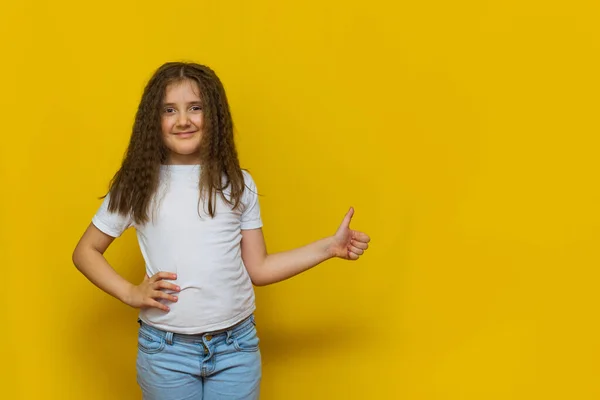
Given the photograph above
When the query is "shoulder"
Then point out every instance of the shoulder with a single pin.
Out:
(248, 179)
(112, 223)
(250, 193)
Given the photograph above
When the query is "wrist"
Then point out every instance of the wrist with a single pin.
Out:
(329, 247)
(125, 295)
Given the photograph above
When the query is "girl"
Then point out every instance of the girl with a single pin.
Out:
(198, 223)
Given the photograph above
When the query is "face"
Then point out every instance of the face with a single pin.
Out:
(181, 122)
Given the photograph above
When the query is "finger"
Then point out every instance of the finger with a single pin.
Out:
(352, 256)
(166, 285)
(156, 304)
(163, 275)
(348, 217)
(355, 250)
(361, 236)
(157, 294)
(360, 245)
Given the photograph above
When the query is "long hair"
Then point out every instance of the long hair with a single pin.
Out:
(133, 186)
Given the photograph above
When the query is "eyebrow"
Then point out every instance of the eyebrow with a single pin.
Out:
(190, 103)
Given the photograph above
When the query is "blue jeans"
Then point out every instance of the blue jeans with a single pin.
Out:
(208, 366)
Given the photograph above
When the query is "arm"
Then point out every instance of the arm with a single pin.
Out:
(265, 268)
(88, 257)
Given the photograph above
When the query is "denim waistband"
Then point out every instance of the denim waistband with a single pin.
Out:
(234, 330)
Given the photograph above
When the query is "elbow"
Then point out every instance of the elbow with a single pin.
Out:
(79, 256)
(75, 257)
(258, 280)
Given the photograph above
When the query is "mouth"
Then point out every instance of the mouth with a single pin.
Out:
(184, 135)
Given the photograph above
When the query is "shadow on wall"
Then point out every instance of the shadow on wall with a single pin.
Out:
(103, 340)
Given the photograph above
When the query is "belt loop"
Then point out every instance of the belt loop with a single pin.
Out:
(228, 338)
(169, 338)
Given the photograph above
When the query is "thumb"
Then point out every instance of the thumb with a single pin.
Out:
(348, 218)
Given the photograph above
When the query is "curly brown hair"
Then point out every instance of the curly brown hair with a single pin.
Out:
(133, 186)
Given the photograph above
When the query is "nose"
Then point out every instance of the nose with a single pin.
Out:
(182, 119)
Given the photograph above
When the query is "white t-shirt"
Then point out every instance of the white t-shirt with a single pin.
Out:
(204, 252)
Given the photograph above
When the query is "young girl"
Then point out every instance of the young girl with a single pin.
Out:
(198, 223)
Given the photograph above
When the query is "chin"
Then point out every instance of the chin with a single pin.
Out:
(188, 153)
(186, 150)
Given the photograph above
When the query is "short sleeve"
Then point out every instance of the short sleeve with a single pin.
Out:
(111, 223)
(251, 218)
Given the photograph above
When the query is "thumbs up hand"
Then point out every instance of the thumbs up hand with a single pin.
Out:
(347, 243)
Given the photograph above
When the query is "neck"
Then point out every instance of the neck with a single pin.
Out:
(178, 159)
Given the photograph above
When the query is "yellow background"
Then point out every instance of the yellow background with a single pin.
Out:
(465, 134)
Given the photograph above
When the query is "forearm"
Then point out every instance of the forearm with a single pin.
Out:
(96, 269)
(281, 266)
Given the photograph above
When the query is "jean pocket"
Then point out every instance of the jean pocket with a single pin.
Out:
(150, 344)
(247, 341)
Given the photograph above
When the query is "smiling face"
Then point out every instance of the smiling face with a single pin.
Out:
(182, 121)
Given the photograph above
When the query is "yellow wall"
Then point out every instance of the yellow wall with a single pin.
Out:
(465, 133)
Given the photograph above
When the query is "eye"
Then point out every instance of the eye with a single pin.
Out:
(169, 110)
(196, 108)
